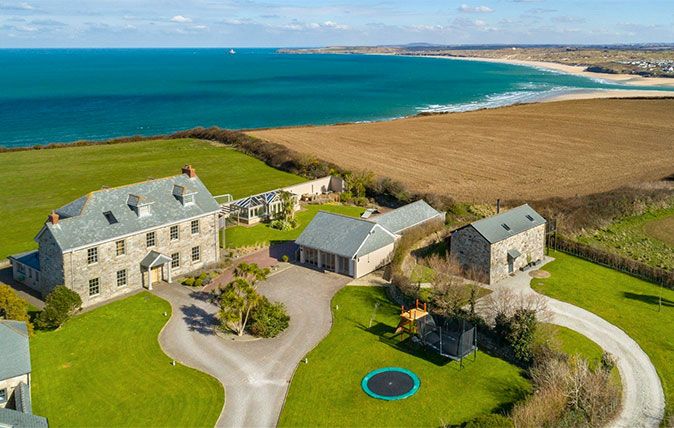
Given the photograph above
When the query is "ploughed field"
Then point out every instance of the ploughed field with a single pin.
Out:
(531, 151)
(38, 181)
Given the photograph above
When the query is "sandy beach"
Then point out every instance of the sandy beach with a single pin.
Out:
(624, 79)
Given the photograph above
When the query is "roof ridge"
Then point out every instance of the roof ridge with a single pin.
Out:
(349, 217)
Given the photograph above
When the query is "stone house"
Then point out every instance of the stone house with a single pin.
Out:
(15, 379)
(356, 246)
(116, 240)
(498, 246)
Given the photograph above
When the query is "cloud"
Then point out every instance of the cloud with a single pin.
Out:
(16, 6)
(180, 19)
(568, 19)
(334, 25)
(464, 8)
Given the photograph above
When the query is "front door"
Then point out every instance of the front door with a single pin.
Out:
(155, 274)
(511, 262)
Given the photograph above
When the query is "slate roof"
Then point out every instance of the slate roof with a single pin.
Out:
(406, 216)
(345, 236)
(29, 258)
(83, 223)
(151, 259)
(14, 349)
(14, 419)
(516, 221)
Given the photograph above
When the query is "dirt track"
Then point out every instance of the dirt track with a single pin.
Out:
(530, 151)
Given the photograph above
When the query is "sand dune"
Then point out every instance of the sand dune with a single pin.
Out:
(528, 151)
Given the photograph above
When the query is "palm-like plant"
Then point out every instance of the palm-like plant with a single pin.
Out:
(237, 300)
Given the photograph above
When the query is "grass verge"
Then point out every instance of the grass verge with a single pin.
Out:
(105, 368)
(630, 303)
(327, 391)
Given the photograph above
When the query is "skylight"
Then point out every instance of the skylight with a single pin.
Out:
(530, 217)
(110, 217)
(506, 227)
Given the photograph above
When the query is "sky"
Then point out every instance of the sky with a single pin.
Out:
(308, 23)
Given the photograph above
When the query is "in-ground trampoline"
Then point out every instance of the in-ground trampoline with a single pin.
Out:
(390, 383)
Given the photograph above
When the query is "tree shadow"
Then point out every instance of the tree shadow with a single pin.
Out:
(199, 320)
(649, 299)
(201, 296)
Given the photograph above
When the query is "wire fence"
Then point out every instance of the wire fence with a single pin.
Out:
(614, 261)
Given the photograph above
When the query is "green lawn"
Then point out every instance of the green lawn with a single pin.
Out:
(262, 234)
(105, 368)
(647, 238)
(37, 181)
(627, 302)
(574, 343)
(327, 391)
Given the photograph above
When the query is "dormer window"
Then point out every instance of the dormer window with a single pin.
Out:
(183, 194)
(110, 217)
(140, 205)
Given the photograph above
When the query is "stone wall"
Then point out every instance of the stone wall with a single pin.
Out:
(51, 264)
(471, 250)
(78, 272)
(530, 244)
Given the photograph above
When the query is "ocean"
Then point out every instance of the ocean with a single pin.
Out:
(63, 95)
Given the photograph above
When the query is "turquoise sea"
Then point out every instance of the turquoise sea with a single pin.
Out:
(61, 95)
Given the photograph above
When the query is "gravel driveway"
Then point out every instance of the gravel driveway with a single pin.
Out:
(255, 373)
(643, 398)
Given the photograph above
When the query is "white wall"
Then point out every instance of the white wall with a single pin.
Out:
(373, 261)
(11, 384)
(317, 187)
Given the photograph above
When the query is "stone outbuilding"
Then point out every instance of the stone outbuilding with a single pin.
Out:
(498, 246)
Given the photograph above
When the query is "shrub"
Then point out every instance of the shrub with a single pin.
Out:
(521, 333)
(346, 197)
(188, 281)
(268, 319)
(283, 225)
(12, 307)
(60, 304)
(284, 258)
(492, 420)
(361, 201)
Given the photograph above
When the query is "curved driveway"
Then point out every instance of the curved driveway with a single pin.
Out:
(255, 373)
(643, 399)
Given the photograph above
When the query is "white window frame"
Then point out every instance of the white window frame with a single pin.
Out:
(175, 228)
(152, 234)
(196, 251)
(92, 255)
(4, 397)
(175, 263)
(98, 286)
(194, 223)
(125, 277)
(117, 252)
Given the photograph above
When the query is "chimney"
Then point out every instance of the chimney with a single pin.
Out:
(498, 206)
(53, 218)
(191, 173)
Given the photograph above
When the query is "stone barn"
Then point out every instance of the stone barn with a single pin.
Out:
(500, 245)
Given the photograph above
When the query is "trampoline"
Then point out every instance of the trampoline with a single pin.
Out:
(390, 383)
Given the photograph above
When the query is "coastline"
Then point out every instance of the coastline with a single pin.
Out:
(623, 79)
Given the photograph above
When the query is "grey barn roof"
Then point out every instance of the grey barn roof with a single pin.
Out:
(345, 236)
(14, 349)
(15, 419)
(509, 223)
(83, 221)
(406, 216)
